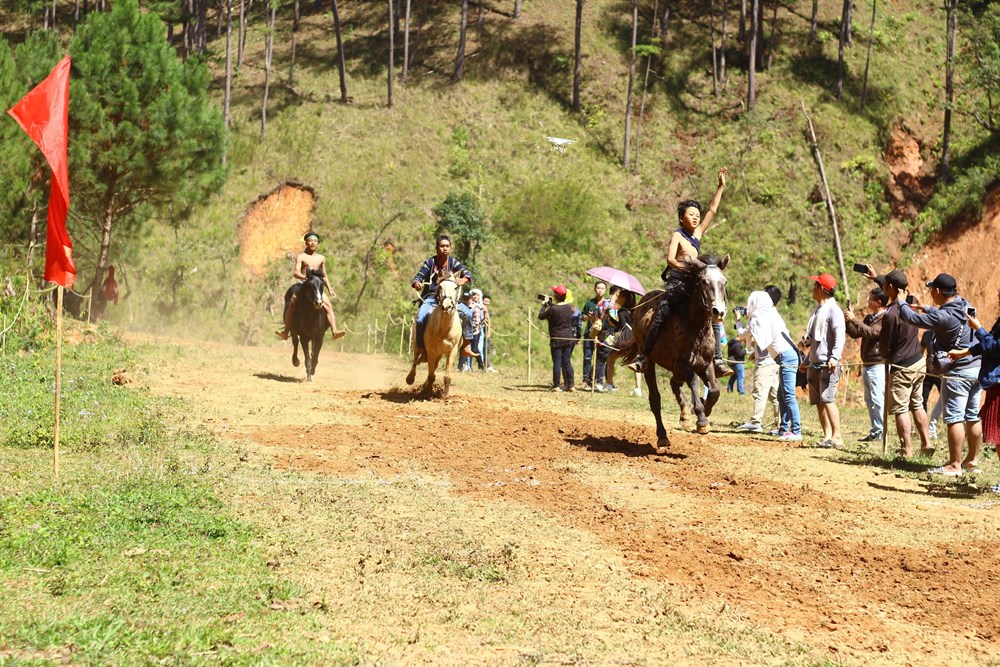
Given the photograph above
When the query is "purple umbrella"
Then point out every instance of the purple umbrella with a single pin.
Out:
(618, 278)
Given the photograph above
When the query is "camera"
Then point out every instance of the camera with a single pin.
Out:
(910, 299)
(542, 297)
(740, 311)
(970, 311)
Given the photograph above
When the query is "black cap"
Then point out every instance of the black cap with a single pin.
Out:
(880, 280)
(945, 283)
(897, 279)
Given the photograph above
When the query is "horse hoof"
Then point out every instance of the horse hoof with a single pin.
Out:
(411, 376)
(703, 429)
(295, 362)
(662, 445)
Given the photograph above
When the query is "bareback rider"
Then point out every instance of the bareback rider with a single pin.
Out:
(431, 272)
(685, 246)
(310, 259)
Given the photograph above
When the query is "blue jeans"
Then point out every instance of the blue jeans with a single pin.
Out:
(961, 396)
(789, 362)
(588, 359)
(736, 379)
(426, 308)
(477, 347)
(875, 397)
(562, 361)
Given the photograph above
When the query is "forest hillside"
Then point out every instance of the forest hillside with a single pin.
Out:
(463, 139)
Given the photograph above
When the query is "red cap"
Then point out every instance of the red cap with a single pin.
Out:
(560, 290)
(826, 281)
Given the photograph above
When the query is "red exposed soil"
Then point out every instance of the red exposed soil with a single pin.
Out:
(911, 184)
(273, 226)
(968, 250)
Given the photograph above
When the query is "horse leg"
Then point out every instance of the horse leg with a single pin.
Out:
(676, 385)
(432, 363)
(295, 350)
(699, 405)
(662, 441)
(412, 375)
(317, 345)
(307, 357)
(708, 377)
(448, 365)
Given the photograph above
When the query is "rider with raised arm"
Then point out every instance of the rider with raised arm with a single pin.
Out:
(685, 246)
(431, 272)
(306, 260)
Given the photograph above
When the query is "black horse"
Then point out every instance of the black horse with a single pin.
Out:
(309, 321)
(686, 346)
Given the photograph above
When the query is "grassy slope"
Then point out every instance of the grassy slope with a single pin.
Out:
(486, 135)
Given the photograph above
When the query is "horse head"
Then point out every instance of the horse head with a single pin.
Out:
(711, 287)
(312, 289)
(447, 295)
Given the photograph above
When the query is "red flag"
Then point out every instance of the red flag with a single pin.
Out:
(44, 114)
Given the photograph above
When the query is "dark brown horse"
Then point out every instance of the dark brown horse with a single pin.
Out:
(686, 346)
(309, 321)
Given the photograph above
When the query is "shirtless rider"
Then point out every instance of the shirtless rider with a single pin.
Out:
(310, 259)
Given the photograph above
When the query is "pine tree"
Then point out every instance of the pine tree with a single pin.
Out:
(146, 138)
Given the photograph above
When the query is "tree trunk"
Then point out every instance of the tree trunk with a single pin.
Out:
(642, 110)
(715, 53)
(840, 49)
(296, 16)
(665, 24)
(770, 42)
(848, 8)
(76, 13)
(517, 9)
(241, 38)
(268, 51)
(743, 20)
(949, 85)
(53, 14)
(392, 54)
(341, 64)
(761, 43)
(218, 18)
(577, 59)
(406, 43)
(420, 31)
(752, 57)
(868, 56)
(631, 82)
(460, 56)
(722, 49)
(227, 96)
(202, 25)
(106, 225)
(32, 233)
(813, 21)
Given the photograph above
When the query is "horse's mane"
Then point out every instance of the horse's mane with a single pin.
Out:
(314, 273)
(682, 281)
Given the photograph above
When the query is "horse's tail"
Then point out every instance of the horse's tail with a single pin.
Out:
(628, 351)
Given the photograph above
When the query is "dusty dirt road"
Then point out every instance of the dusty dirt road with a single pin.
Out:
(857, 563)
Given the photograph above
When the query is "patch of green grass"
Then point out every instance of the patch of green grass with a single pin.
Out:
(131, 557)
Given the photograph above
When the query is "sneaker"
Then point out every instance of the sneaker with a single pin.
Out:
(490, 369)
(775, 431)
(585, 386)
(610, 387)
(995, 488)
(556, 389)
(638, 365)
(599, 388)
(829, 443)
(870, 438)
(637, 392)
(788, 436)
(753, 428)
(569, 389)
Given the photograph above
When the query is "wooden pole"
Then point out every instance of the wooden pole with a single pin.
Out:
(829, 202)
(528, 324)
(368, 339)
(55, 432)
(402, 328)
(376, 332)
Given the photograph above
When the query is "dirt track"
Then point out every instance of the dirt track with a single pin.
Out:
(853, 562)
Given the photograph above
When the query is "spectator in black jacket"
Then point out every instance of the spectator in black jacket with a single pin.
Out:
(564, 329)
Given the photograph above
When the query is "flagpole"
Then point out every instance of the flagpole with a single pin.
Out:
(59, 309)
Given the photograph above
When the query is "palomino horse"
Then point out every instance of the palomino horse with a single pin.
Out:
(442, 336)
(309, 323)
(686, 346)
